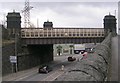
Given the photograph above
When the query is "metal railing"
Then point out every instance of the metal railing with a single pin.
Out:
(61, 32)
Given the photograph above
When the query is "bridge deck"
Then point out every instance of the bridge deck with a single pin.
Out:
(62, 32)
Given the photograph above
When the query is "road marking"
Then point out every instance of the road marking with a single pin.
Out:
(21, 78)
(24, 76)
(53, 76)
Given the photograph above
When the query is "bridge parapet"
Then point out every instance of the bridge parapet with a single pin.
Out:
(61, 32)
(94, 68)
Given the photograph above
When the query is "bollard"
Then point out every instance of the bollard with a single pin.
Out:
(78, 59)
(62, 67)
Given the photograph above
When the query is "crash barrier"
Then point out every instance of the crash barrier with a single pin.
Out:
(94, 68)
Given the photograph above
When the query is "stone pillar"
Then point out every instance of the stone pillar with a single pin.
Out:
(13, 23)
(110, 24)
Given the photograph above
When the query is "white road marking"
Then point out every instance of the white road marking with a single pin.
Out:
(54, 76)
(25, 76)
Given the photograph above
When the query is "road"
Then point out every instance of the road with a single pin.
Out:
(56, 65)
(33, 74)
(115, 58)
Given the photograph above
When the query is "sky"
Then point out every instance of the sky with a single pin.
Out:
(64, 13)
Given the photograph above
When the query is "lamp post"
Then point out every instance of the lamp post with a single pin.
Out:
(71, 48)
(16, 50)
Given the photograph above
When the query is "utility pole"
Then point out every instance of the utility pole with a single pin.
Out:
(37, 23)
(16, 49)
(115, 13)
(4, 19)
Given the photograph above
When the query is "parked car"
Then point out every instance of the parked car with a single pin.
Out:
(45, 69)
(92, 50)
(82, 52)
(70, 58)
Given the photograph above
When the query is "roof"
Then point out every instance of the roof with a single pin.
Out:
(13, 14)
(109, 17)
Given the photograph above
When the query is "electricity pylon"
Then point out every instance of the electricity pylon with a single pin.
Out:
(26, 12)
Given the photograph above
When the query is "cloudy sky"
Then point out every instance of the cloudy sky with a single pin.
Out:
(63, 13)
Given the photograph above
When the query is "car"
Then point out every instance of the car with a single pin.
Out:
(45, 69)
(92, 50)
(82, 52)
(70, 58)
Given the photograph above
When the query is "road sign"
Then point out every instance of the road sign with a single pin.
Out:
(13, 59)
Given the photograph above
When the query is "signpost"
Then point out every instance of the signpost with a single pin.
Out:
(13, 60)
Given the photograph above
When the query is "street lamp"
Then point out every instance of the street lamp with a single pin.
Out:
(71, 48)
(16, 36)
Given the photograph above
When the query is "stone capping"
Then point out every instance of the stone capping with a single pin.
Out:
(94, 68)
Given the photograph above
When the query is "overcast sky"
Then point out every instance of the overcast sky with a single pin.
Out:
(63, 13)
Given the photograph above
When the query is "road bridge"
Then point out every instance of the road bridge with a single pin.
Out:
(39, 41)
(61, 35)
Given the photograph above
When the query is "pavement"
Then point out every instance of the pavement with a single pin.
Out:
(20, 74)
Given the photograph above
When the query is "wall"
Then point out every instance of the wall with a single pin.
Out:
(36, 56)
(94, 68)
(7, 51)
(64, 47)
